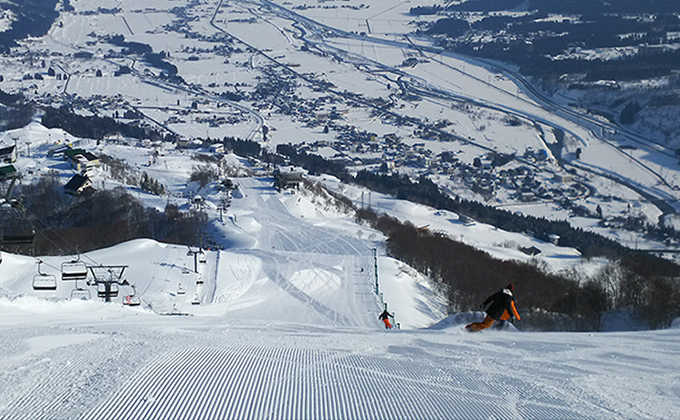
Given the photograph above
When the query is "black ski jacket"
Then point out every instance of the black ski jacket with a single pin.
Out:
(500, 302)
(384, 315)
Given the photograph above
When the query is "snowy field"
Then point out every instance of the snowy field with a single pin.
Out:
(354, 46)
(280, 321)
(282, 324)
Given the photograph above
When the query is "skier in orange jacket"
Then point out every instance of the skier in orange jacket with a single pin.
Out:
(502, 308)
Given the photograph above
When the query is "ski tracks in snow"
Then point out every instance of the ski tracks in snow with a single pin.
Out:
(265, 382)
(155, 370)
(292, 383)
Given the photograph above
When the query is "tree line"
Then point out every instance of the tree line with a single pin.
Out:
(531, 41)
(645, 286)
(97, 127)
(96, 219)
(424, 191)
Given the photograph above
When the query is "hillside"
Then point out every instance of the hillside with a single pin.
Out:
(372, 94)
(232, 298)
(286, 327)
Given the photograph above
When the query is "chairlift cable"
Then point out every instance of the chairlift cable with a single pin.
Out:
(63, 251)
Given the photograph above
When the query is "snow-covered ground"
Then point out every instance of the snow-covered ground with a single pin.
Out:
(96, 361)
(281, 321)
(325, 40)
(282, 324)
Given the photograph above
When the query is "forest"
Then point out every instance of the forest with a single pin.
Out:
(542, 41)
(97, 219)
(563, 301)
(33, 18)
(97, 127)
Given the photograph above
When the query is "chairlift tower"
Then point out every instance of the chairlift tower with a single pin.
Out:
(8, 173)
(193, 253)
(108, 278)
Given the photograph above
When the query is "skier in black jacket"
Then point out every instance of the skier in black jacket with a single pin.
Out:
(502, 308)
(385, 317)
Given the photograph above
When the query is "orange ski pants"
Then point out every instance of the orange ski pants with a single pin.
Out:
(387, 323)
(478, 326)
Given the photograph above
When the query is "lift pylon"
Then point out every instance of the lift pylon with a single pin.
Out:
(108, 278)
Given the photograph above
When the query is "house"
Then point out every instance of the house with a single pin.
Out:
(217, 148)
(8, 154)
(57, 149)
(8, 172)
(531, 251)
(288, 177)
(182, 142)
(77, 184)
(81, 160)
(563, 178)
(466, 220)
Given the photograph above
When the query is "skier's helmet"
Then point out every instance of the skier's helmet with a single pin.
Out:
(510, 287)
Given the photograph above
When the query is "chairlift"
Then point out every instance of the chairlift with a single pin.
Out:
(19, 234)
(180, 291)
(133, 299)
(199, 279)
(196, 300)
(73, 270)
(101, 290)
(80, 294)
(43, 281)
(201, 257)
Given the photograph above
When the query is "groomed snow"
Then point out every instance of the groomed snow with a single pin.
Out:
(94, 361)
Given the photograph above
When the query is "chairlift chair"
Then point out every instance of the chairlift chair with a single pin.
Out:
(201, 257)
(180, 291)
(101, 290)
(73, 270)
(133, 299)
(21, 233)
(196, 300)
(43, 281)
(114, 289)
(80, 294)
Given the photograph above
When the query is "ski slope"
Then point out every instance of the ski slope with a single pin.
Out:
(286, 328)
(94, 361)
